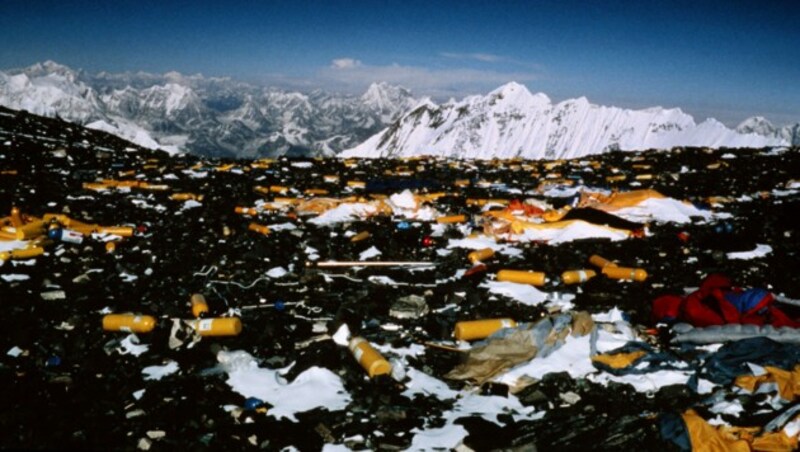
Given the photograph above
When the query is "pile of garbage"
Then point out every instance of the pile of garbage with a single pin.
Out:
(624, 300)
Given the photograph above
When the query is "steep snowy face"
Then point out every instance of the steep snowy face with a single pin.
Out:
(49, 94)
(511, 122)
(387, 100)
(760, 126)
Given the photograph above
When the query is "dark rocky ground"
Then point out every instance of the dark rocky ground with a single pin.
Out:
(68, 391)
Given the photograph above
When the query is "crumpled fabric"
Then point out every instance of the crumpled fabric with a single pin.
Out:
(689, 431)
(788, 382)
(616, 200)
(511, 346)
(732, 359)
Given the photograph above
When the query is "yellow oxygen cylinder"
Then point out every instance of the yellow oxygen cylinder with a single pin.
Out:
(480, 255)
(522, 277)
(199, 305)
(360, 236)
(246, 211)
(30, 230)
(577, 276)
(21, 254)
(478, 329)
(221, 326)
(124, 231)
(16, 219)
(129, 323)
(452, 219)
(260, 228)
(369, 358)
(601, 262)
(625, 273)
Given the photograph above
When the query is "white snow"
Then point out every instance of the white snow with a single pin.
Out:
(523, 293)
(315, 387)
(760, 251)
(159, 372)
(662, 210)
(344, 213)
(369, 253)
(512, 122)
(575, 230)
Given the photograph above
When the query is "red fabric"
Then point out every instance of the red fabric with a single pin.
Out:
(708, 306)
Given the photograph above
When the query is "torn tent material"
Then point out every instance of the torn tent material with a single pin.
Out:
(685, 333)
(718, 302)
(690, 432)
(734, 359)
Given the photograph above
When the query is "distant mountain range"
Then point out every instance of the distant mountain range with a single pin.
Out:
(512, 122)
(201, 115)
(223, 117)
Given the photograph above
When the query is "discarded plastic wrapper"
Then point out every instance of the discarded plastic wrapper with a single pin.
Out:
(223, 326)
(199, 305)
(452, 219)
(635, 274)
(480, 255)
(360, 236)
(577, 276)
(369, 358)
(260, 228)
(21, 254)
(522, 277)
(601, 262)
(129, 323)
(479, 329)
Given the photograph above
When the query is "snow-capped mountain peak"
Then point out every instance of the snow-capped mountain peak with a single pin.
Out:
(512, 122)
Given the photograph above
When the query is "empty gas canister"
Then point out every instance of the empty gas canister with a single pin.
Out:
(480, 255)
(221, 326)
(635, 274)
(522, 277)
(577, 276)
(369, 358)
(478, 329)
(130, 323)
(199, 305)
(601, 262)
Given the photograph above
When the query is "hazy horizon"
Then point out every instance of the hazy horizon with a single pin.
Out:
(727, 60)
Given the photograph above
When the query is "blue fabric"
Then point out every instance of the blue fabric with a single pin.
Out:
(673, 429)
(747, 300)
(731, 359)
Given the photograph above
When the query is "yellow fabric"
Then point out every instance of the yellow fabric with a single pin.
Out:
(706, 438)
(774, 442)
(555, 215)
(520, 226)
(620, 360)
(617, 200)
(788, 381)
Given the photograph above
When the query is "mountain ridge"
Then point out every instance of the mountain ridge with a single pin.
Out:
(219, 116)
(212, 116)
(511, 122)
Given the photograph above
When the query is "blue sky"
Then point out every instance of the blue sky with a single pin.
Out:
(726, 59)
